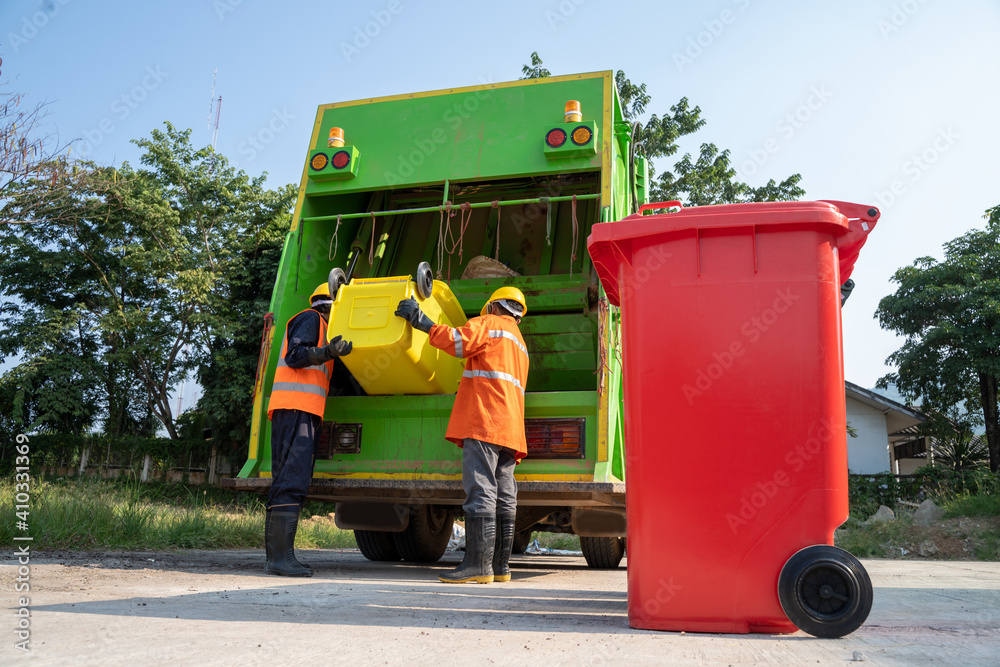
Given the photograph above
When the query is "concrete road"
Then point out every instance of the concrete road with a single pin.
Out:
(216, 608)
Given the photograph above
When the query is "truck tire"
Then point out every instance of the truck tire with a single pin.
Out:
(377, 545)
(426, 537)
(603, 553)
(521, 542)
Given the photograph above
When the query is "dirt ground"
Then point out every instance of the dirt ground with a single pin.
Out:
(217, 608)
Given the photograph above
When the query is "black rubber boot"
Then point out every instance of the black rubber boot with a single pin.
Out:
(501, 549)
(279, 545)
(477, 565)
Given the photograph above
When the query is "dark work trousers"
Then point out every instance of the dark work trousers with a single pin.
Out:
(488, 479)
(293, 451)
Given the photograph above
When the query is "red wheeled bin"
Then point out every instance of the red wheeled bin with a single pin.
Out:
(735, 427)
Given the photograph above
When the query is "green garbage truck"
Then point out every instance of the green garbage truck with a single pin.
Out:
(479, 187)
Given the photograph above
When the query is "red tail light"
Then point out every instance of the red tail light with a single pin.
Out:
(556, 438)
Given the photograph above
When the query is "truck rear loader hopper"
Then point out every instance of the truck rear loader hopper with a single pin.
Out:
(490, 185)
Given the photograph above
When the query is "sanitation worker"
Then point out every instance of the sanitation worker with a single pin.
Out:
(487, 422)
(298, 399)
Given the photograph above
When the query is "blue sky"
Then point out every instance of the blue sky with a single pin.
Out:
(885, 102)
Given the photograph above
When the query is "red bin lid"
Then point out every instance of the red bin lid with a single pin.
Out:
(850, 223)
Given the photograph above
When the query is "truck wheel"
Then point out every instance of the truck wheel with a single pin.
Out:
(521, 542)
(425, 280)
(426, 537)
(376, 545)
(825, 591)
(603, 553)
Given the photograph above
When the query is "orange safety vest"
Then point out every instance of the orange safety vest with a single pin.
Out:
(302, 389)
(490, 401)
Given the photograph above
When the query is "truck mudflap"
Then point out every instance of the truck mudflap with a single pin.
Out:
(446, 492)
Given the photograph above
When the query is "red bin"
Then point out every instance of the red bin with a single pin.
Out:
(735, 428)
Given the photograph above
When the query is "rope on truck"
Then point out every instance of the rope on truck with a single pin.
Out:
(445, 209)
(334, 242)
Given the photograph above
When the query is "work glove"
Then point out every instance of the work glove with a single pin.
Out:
(410, 311)
(337, 347)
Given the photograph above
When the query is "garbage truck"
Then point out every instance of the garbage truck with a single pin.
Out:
(449, 195)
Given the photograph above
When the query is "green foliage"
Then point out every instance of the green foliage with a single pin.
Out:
(123, 451)
(955, 443)
(117, 293)
(949, 314)
(535, 70)
(942, 484)
(875, 539)
(866, 492)
(228, 369)
(981, 504)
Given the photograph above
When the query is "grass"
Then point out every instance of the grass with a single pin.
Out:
(969, 505)
(566, 541)
(90, 514)
(126, 515)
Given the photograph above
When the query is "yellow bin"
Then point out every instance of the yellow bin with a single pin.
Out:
(389, 355)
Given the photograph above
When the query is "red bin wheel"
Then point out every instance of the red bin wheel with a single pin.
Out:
(825, 591)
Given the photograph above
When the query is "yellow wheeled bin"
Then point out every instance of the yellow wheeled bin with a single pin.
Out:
(389, 355)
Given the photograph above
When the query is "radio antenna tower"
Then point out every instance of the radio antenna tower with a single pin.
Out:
(214, 110)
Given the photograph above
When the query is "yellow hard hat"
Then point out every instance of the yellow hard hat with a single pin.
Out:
(323, 289)
(508, 294)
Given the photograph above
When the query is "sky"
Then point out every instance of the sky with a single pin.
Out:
(892, 103)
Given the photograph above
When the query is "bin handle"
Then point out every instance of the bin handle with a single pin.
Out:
(661, 204)
(852, 210)
(861, 220)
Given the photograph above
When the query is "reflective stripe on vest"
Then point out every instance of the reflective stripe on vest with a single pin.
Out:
(284, 364)
(494, 375)
(500, 333)
(458, 344)
(297, 386)
(304, 388)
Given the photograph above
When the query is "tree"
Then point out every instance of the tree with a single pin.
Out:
(143, 255)
(949, 313)
(535, 70)
(227, 372)
(27, 153)
(708, 179)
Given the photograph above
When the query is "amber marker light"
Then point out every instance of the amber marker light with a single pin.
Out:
(336, 139)
(573, 114)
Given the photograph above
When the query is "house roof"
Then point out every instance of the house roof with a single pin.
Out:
(898, 417)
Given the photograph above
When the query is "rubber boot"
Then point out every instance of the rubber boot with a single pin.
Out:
(501, 548)
(279, 545)
(477, 565)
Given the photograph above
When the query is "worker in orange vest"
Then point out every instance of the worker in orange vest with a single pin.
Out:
(296, 406)
(487, 422)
